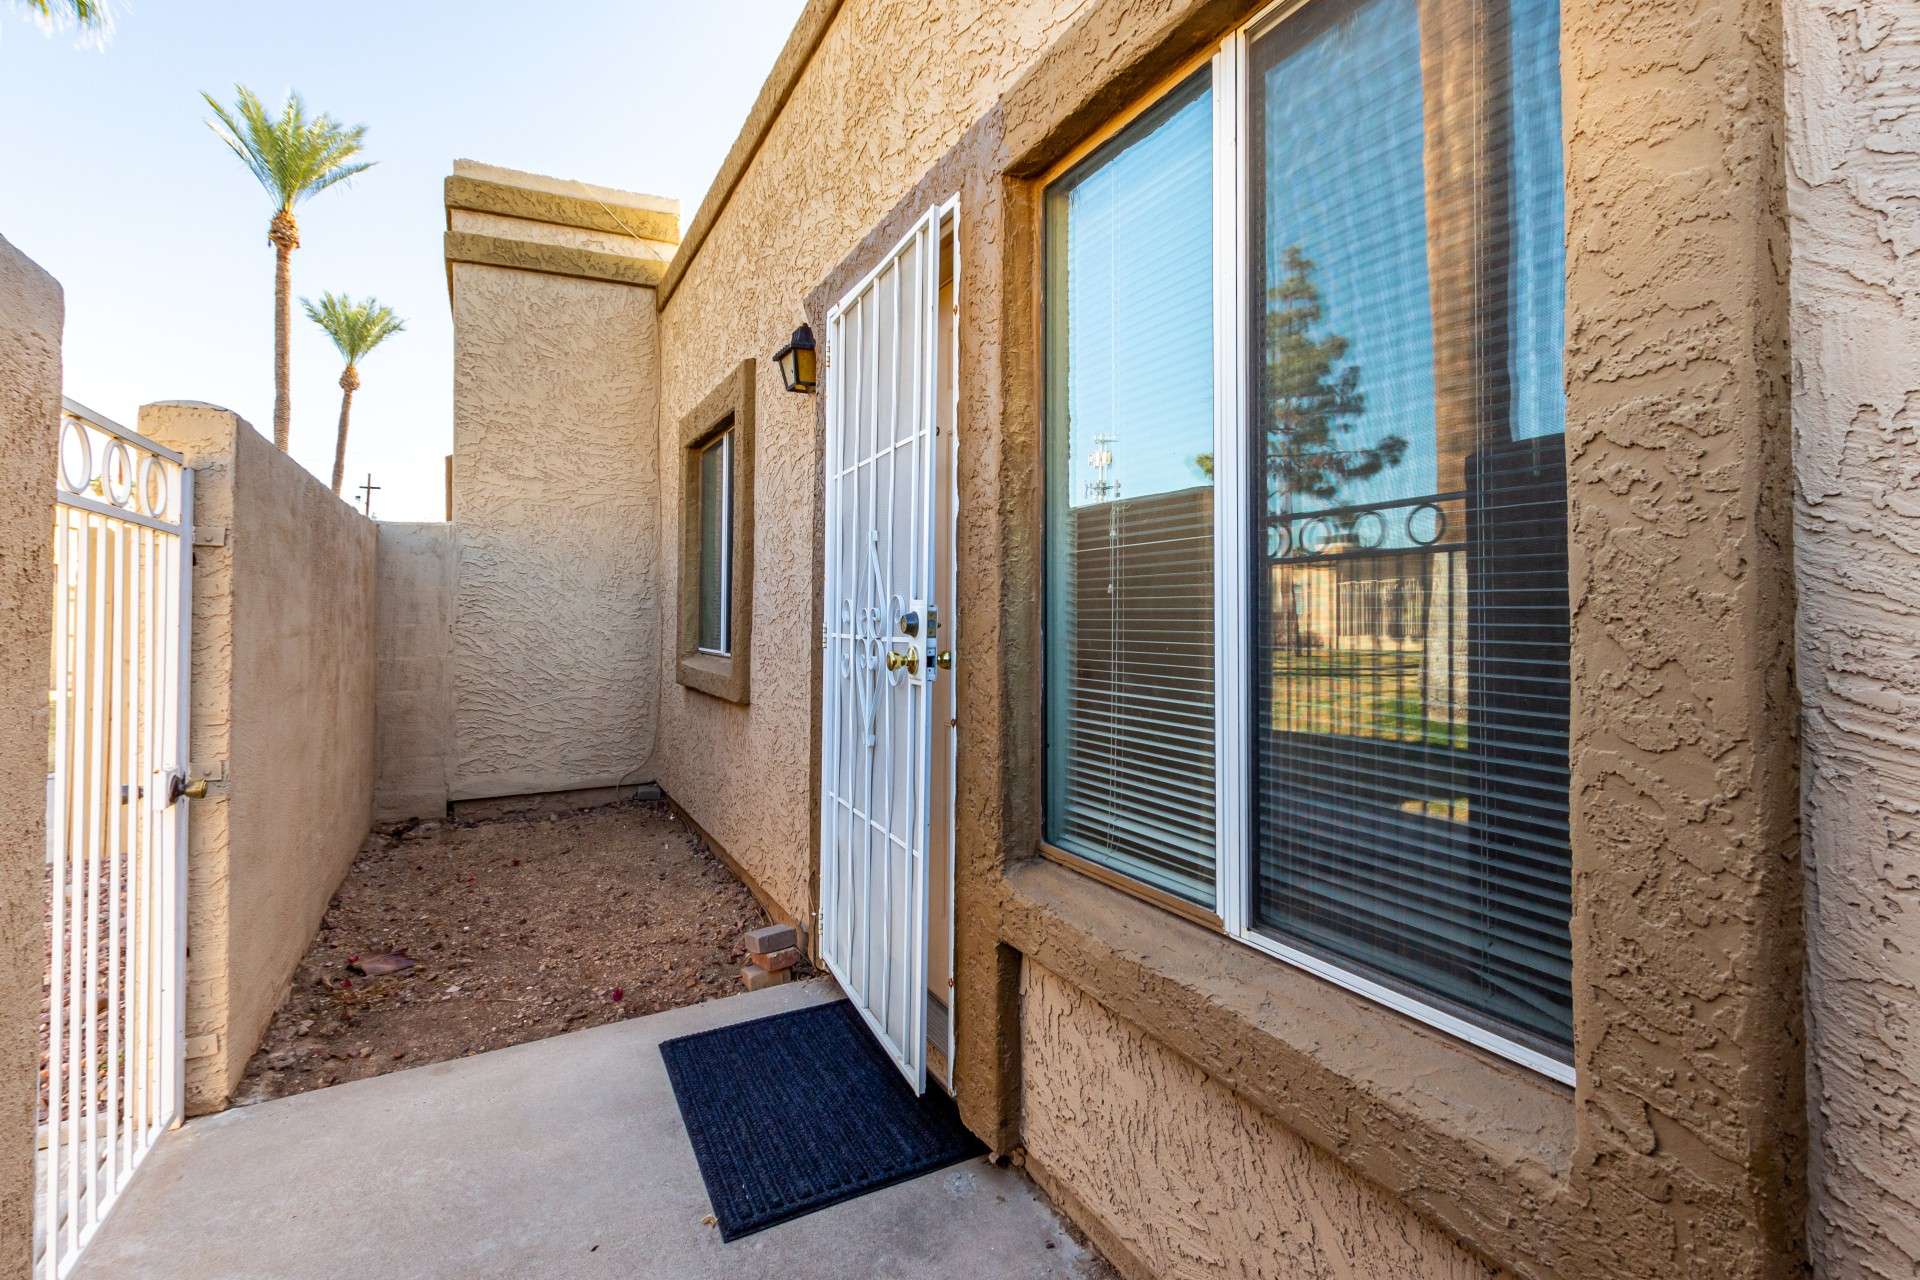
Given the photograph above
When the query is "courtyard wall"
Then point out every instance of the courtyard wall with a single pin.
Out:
(413, 677)
(282, 725)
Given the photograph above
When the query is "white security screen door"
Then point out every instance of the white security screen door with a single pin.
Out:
(877, 720)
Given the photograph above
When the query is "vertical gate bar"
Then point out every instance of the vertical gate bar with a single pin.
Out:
(76, 853)
(149, 836)
(870, 465)
(181, 665)
(139, 779)
(57, 850)
(856, 592)
(888, 529)
(119, 804)
(97, 748)
(156, 816)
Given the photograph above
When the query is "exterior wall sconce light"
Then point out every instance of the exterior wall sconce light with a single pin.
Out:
(796, 362)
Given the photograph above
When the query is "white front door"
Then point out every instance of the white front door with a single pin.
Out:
(878, 719)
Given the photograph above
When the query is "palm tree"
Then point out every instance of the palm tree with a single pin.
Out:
(293, 157)
(356, 328)
(88, 13)
(94, 18)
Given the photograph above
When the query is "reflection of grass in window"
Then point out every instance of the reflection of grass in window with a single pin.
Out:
(1452, 809)
(1360, 693)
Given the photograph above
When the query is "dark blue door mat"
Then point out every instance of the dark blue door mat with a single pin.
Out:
(801, 1110)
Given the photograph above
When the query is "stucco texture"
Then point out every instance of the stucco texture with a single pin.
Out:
(1187, 1180)
(557, 626)
(1853, 166)
(890, 88)
(413, 675)
(282, 725)
(32, 312)
(1681, 1151)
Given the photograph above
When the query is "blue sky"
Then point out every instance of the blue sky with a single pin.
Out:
(115, 185)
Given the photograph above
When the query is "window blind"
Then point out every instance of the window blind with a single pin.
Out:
(1411, 686)
(1130, 738)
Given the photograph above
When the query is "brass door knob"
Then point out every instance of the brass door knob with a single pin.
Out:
(944, 660)
(898, 660)
(178, 786)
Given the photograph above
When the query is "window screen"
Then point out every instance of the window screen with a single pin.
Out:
(716, 545)
(1410, 583)
(1130, 770)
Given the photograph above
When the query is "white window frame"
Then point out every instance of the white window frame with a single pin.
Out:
(1233, 605)
(724, 443)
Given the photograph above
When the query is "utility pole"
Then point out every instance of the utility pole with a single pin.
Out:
(366, 495)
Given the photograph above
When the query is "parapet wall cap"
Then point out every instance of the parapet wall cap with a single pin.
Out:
(566, 187)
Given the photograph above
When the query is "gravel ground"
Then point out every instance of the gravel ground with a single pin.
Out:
(516, 929)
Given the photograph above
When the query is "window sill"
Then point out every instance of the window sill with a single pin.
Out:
(717, 675)
(1474, 1141)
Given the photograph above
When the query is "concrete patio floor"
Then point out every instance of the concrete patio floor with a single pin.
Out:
(557, 1159)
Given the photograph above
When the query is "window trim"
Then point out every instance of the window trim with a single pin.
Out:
(726, 411)
(1229, 59)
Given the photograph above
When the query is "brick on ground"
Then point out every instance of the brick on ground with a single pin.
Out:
(753, 977)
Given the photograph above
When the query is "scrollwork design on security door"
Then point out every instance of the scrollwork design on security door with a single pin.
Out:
(864, 662)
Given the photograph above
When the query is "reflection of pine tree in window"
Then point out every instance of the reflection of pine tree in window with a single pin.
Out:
(1308, 402)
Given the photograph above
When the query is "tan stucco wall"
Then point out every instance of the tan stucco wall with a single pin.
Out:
(32, 312)
(413, 675)
(557, 621)
(1188, 1180)
(891, 87)
(283, 720)
(1853, 166)
(1681, 1149)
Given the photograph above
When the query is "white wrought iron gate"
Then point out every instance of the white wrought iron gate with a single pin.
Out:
(116, 829)
(883, 631)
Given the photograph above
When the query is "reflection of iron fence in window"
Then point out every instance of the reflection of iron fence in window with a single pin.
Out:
(1369, 621)
(1411, 752)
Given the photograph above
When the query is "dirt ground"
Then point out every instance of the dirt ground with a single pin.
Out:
(517, 929)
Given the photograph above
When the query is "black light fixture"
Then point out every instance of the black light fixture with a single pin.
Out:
(796, 361)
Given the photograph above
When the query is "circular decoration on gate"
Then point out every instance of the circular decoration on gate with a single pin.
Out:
(1426, 524)
(153, 487)
(1314, 536)
(76, 451)
(116, 473)
(1278, 541)
(1369, 529)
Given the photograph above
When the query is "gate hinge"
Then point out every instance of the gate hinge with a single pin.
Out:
(209, 535)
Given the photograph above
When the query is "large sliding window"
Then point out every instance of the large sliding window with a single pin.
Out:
(1385, 609)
